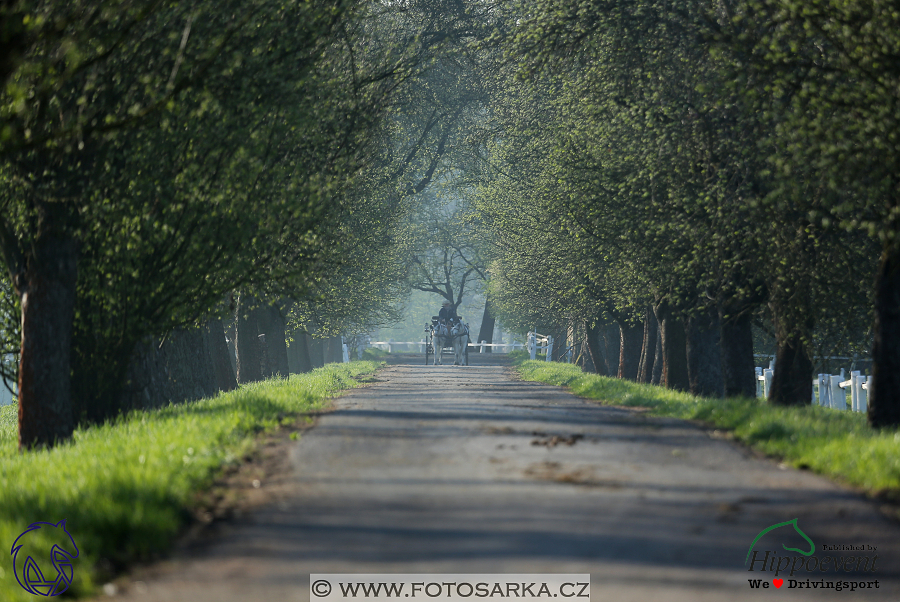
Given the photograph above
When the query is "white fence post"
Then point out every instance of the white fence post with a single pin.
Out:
(549, 348)
(865, 387)
(482, 346)
(346, 351)
(767, 381)
(838, 397)
(824, 391)
(532, 345)
(854, 390)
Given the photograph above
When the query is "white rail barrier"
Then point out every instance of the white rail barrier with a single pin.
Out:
(540, 342)
(829, 390)
(390, 345)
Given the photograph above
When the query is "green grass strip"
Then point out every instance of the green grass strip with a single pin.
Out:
(835, 443)
(126, 487)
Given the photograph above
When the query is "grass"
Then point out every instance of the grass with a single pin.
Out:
(126, 487)
(374, 354)
(835, 443)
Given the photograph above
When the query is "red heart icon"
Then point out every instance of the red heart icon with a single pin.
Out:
(778, 582)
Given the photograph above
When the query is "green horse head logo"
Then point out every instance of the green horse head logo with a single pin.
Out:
(793, 523)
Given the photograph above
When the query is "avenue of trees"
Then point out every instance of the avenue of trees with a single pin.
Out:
(162, 162)
(697, 167)
(678, 170)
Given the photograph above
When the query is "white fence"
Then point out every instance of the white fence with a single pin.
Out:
(391, 346)
(535, 343)
(829, 390)
(540, 342)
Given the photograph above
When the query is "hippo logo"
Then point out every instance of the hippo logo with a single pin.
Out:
(43, 564)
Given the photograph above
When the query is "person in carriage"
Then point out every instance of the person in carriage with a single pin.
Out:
(447, 315)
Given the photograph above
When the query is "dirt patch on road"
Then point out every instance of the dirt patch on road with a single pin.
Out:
(262, 477)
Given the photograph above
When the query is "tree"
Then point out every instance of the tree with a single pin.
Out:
(156, 214)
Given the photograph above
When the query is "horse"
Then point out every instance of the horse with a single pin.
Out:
(459, 334)
(441, 338)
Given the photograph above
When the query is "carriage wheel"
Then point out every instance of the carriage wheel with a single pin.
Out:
(427, 349)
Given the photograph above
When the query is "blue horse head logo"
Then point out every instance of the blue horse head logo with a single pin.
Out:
(33, 557)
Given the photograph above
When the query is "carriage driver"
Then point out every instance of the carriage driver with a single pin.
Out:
(447, 313)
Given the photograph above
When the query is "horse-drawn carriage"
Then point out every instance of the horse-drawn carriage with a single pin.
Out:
(440, 335)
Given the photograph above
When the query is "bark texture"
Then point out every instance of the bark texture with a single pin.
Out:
(737, 355)
(583, 351)
(884, 398)
(648, 348)
(486, 332)
(47, 295)
(247, 342)
(611, 344)
(276, 345)
(631, 338)
(704, 355)
(265, 367)
(317, 352)
(674, 373)
(592, 340)
(332, 351)
(298, 354)
(792, 380)
(657, 361)
(189, 364)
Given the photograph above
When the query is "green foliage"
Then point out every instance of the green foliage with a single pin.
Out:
(636, 167)
(831, 442)
(205, 148)
(126, 487)
(418, 311)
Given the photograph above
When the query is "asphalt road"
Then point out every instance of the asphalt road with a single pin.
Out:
(445, 469)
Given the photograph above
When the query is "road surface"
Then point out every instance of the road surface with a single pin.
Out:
(445, 469)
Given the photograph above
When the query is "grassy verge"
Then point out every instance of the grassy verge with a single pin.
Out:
(374, 354)
(835, 443)
(125, 488)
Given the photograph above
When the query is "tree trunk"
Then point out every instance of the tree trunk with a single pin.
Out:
(587, 356)
(631, 338)
(611, 343)
(47, 295)
(317, 352)
(273, 328)
(674, 373)
(338, 349)
(884, 398)
(265, 366)
(737, 355)
(247, 341)
(301, 342)
(657, 357)
(331, 350)
(486, 332)
(560, 341)
(218, 349)
(704, 354)
(792, 380)
(598, 361)
(648, 348)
